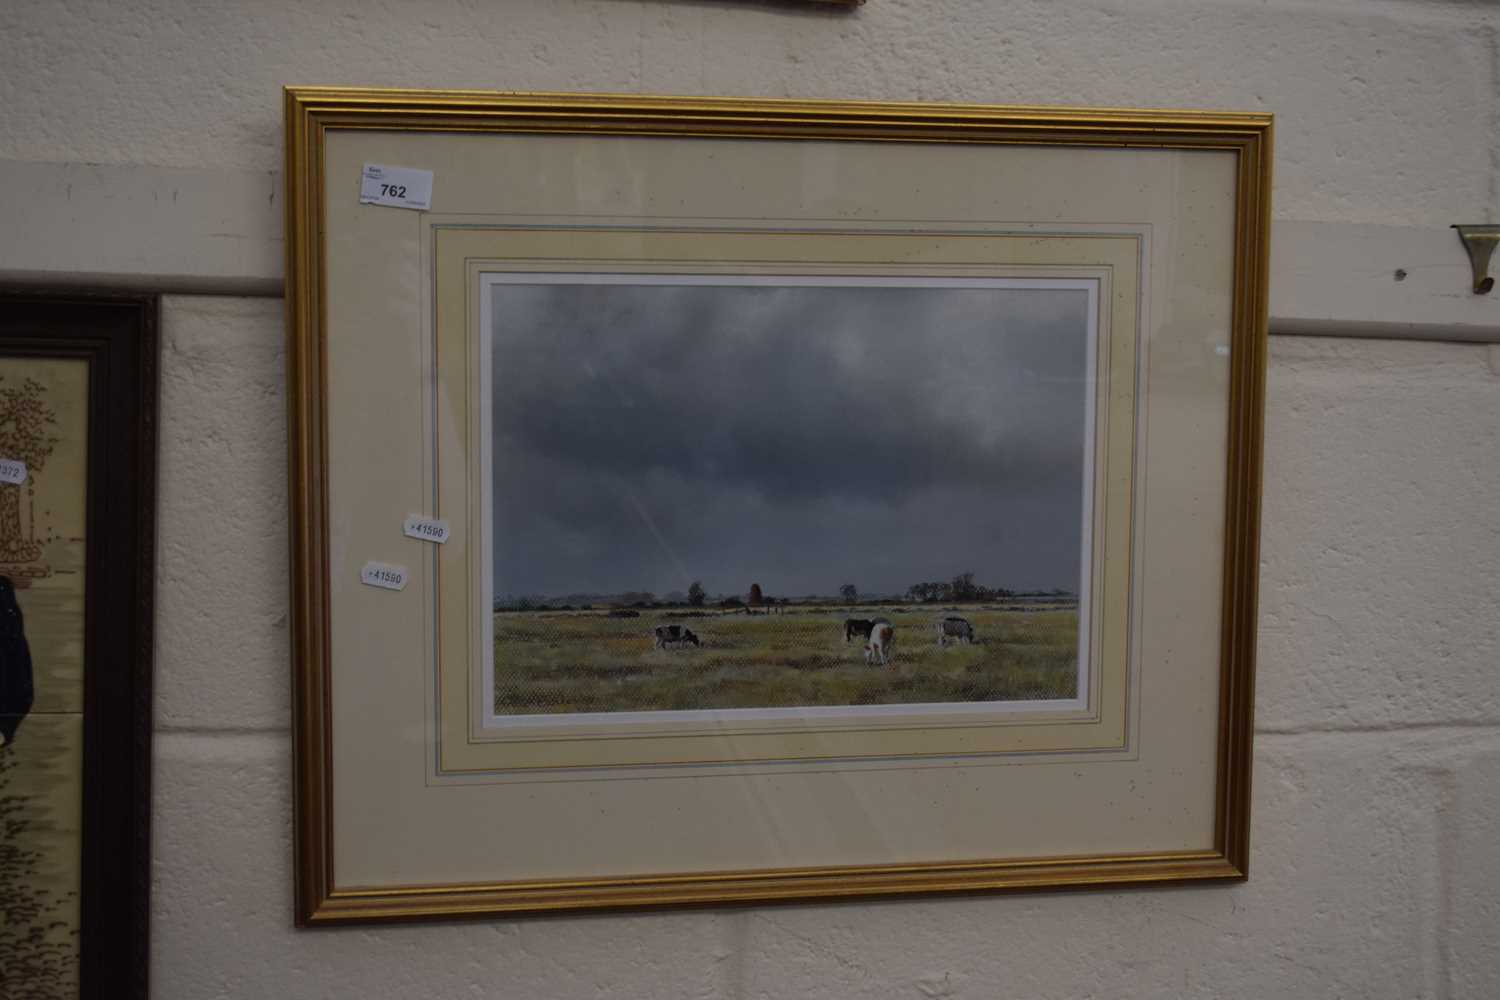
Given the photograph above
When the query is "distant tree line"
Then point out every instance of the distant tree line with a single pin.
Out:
(961, 588)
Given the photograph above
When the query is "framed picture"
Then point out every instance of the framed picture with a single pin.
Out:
(701, 500)
(77, 528)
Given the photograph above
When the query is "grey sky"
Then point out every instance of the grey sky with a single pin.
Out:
(797, 437)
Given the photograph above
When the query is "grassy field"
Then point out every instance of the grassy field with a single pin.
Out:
(585, 661)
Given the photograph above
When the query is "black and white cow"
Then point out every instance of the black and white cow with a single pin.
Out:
(673, 636)
(955, 628)
(861, 627)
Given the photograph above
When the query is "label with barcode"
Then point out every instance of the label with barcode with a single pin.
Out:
(12, 471)
(377, 574)
(397, 187)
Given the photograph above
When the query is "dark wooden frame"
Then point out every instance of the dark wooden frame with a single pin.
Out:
(117, 335)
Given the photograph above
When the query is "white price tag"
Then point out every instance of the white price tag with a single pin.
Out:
(398, 187)
(428, 529)
(12, 471)
(385, 575)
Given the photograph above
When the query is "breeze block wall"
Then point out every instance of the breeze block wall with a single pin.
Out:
(140, 144)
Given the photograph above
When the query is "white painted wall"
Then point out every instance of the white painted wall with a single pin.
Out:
(139, 142)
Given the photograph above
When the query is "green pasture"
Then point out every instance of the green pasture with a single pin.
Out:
(585, 661)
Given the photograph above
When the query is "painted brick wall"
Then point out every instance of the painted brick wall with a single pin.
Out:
(1378, 751)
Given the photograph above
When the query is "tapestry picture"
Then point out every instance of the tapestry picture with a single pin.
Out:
(43, 461)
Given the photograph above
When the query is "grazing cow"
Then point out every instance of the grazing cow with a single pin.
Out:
(955, 628)
(671, 636)
(861, 627)
(882, 640)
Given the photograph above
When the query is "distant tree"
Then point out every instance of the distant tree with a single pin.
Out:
(756, 597)
(731, 602)
(963, 588)
(849, 592)
(929, 592)
(696, 594)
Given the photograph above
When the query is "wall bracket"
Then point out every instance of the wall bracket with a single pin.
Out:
(1480, 242)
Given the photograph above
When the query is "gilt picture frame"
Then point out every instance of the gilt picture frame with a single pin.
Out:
(78, 397)
(829, 476)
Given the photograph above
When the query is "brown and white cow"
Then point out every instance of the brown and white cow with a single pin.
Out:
(882, 640)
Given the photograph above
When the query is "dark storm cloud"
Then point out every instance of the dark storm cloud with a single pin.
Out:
(800, 437)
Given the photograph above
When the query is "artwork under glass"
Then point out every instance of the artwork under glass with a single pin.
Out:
(716, 500)
(77, 529)
(768, 492)
(44, 426)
